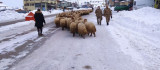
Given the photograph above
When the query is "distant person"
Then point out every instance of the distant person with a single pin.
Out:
(107, 14)
(64, 9)
(39, 20)
(98, 13)
(92, 8)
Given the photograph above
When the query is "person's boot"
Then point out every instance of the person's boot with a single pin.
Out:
(107, 23)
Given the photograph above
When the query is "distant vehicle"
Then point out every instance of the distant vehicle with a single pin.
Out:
(70, 8)
(121, 7)
(21, 11)
(78, 7)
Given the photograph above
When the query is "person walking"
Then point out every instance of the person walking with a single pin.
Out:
(107, 14)
(98, 13)
(39, 20)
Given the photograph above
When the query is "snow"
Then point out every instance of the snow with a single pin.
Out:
(2, 5)
(144, 3)
(14, 30)
(137, 33)
(10, 15)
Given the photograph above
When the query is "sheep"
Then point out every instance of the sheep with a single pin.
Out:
(63, 23)
(90, 27)
(69, 21)
(73, 28)
(57, 21)
(82, 30)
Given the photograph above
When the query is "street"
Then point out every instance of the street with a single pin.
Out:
(64, 52)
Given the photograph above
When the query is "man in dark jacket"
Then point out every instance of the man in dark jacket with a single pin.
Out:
(39, 20)
(98, 13)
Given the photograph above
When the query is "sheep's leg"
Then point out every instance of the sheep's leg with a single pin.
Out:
(73, 34)
(62, 28)
(56, 25)
(94, 34)
(83, 36)
(91, 34)
(88, 34)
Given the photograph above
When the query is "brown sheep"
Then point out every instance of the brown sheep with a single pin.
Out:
(69, 21)
(57, 21)
(73, 28)
(63, 23)
(90, 27)
(82, 30)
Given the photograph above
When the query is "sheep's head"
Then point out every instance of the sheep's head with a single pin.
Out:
(85, 20)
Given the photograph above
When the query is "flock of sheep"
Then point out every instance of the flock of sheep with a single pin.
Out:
(75, 23)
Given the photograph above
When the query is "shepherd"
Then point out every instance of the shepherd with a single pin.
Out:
(98, 13)
(39, 20)
(107, 14)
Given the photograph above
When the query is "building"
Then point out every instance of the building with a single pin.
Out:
(120, 2)
(63, 3)
(157, 4)
(42, 4)
(94, 3)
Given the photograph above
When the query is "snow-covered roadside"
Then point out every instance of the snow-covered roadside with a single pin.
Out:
(19, 34)
(138, 34)
(11, 32)
(10, 15)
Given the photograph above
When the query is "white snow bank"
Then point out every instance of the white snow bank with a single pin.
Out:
(138, 33)
(144, 3)
(9, 15)
(145, 15)
(12, 26)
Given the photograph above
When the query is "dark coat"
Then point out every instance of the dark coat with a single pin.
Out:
(39, 19)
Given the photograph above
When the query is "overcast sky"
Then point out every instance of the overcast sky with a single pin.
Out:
(13, 3)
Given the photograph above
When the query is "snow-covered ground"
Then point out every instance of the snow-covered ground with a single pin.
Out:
(144, 3)
(11, 15)
(13, 36)
(137, 33)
